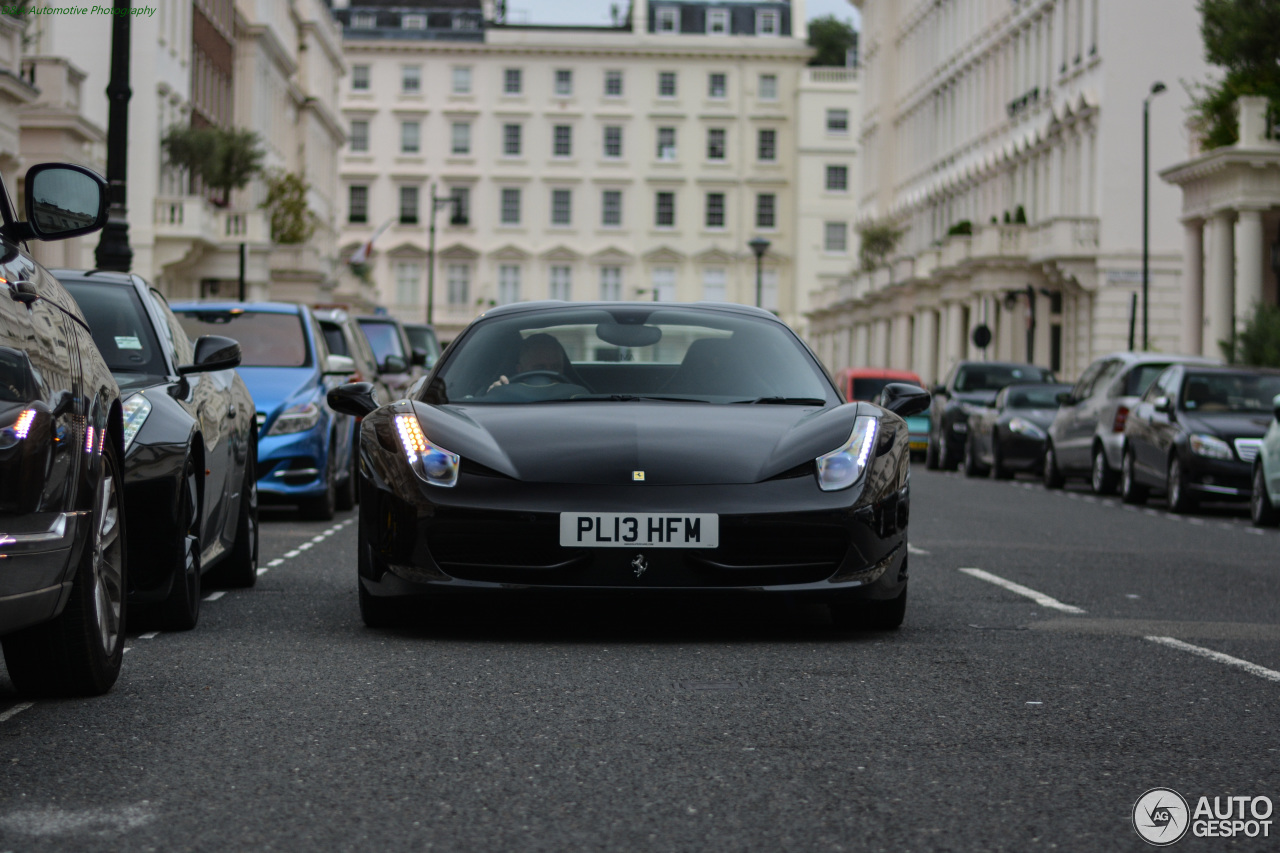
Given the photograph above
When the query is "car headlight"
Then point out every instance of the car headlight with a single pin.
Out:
(843, 467)
(1022, 426)
(433, 464)
(1210, 446)
(299, 418)
(136, 409)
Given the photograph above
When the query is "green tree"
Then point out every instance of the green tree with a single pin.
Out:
(291, 219)
(1240, 38)
(1258, 343)
(223, 159)
(877, 239)
(832, 38)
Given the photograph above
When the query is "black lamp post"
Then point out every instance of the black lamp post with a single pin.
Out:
(437, 202)
(113, 252)
(759, 245)
(1156, 88)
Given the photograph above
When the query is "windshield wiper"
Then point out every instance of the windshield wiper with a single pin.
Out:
(787, 401)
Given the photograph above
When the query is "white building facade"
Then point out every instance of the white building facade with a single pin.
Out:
(1004, 140)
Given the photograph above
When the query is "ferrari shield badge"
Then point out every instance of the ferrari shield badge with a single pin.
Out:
(637, 476)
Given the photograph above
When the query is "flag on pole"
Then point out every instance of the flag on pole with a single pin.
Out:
(361, 255)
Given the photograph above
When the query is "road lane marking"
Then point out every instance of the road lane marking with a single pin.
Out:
(1038, 597)
(277, 561)
(912, 549)
(150, 635)
(214, 596)
(289, 555)
(15, 710)
(1251, 668)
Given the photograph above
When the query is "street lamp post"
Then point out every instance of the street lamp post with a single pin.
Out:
(1156, 88)
(113, 252)
(759, 245)
(436, 204)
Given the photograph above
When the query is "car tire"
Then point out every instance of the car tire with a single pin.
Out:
(240, 568)
(1179, 496)
(79, 652)
(180, 611)
(345, 497)
(1052, 474)
(1131, 491)
(971, 466)
(998, 469)
(931, 455)
(323, 507)
(1102, 477)
(870, 614)
(945, 454)
(1261, 509)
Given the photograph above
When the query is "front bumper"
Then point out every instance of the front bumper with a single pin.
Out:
(37, 553)
(1219, 479)
(1022, 452)
(294, 467)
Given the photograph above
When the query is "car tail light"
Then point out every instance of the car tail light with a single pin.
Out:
(1122, 415)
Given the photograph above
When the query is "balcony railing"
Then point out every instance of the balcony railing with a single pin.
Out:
(1063, 237)
(838, 76)
(194, 218)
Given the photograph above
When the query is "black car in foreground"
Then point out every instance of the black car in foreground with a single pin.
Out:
(623, 448)
(1009, 435)
(969, 387)
(190, 446)
(62, 538)
(1196, 434)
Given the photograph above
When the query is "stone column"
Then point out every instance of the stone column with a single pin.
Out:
(900, 355)
(956, 346)
(1249, 260)
(976, 318)
(1193, 287)
(1219, 287)
(927, 335)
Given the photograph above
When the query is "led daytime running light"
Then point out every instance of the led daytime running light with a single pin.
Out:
(434, 464)
(88, 439)
(136, 410)
(843, 467)
(22, 426)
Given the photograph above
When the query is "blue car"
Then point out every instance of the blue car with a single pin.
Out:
(304, 448)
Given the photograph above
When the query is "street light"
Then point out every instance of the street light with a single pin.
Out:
(759, 245)
(1156, 88)
(437, 202)
(113, 252)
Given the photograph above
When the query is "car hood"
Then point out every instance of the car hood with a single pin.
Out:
(980, 398)
(672, 443)
(1226, 424)
(1039, 417)
(273, 386)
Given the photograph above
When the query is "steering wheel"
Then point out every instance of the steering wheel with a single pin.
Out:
(553, 375)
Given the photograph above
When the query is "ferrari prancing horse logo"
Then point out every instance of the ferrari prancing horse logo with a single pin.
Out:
(639, 564)
(637, 476)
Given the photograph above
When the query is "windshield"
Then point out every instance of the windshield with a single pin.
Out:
(1034, 396)
(1242, 393)
(424, 338)
(627, 353)
(266, 339)
(993, 377)
(384, 339)
(121, 329)
(333, 339)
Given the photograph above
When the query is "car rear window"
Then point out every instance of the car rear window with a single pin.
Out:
(121, 329)
(266, 339)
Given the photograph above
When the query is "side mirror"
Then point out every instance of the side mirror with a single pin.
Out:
(1066, 399)
(213, 352)
(64, 201)
(1164, 404)
(354, 398)
(339, 365)
(393, 364)
(904, 399)
(939, 390)
(419, 357)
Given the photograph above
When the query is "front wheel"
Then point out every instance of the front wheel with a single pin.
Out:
(1052, 474)
(1102, 476)
(240, 568)
(999, 471)
(1131, 491)
(1261, 509)
(1180, 498)
(931, 455)
(180, 611)
(972, 468)
(870, 614)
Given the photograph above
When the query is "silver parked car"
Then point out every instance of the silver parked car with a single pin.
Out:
(1087, 436)
(1264, 504)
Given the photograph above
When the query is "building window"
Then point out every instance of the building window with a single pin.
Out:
(359, 135)
(835, 237)
(510, 214)
(408, 275)
(562, 143)
(458, 285)
(408, 205)
(768, 87)
(766, 210)
(713, 279)
(717, 22)
(837, 179)
(460, 210)
(717, 86)
(664, 284)
(410, 137)
(511, 140)
(411, 79)
(767, 22)
(666, 143)
(413, 22)
(613, 142)
(564, 82)
(666, 84)
(462, 80)
(838, 121)
(665, 210)
(561, 283)
(767, 146)
(715, 210)
(611, 208)
(610, 284)
(460, 133)
(357, 204)
(668, 19)
(561, 207)
(613, 84)
(360, 78)
(512, 81)
(364, 21)
(508, 284)
(715, 143)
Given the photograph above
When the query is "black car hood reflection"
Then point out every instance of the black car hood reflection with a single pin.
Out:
(1232, 424)
(672, 443)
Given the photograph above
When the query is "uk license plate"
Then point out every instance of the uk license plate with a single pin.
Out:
(639, 530)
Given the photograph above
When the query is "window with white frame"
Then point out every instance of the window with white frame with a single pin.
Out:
(610, 284)
(768, 88)
(359, 140)
(612, 142)
(458, 285)
(766, 210)
(664, 284)
(767, 145)
(713, 284)
(460, 137)
(611, 208)
(715, 211)
(668, 19)
(360, 78)
(408, 278)
(717, 86)
(838, 121)
(510, 207)
(410, 137)
(512, 81)
(717, 22)
(561, 207)
(835, 237)
(837, 179)
(508, 284)
(462, 80)
(664, 215)
(716, 143)
(769, 288)
(561, 283)
(666, 143)
(511, 140)
(411, 79)
(562, 140)
(767, 23)
(613, 84)
(666, 84)
(358, 204)
(413, 22)
(408, 205)
(564, 82)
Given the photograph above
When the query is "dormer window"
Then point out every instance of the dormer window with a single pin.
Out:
(717, 22)
(767, 22)
(413, 22)
(668, 19)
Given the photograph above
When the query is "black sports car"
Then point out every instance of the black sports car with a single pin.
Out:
(969, 386)
(190, 488)
(1009, 435)
(633, 446)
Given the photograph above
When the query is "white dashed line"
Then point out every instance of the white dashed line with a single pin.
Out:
(289, 555)
(277, 561)
(306, 546)
(214, 596)
(1038, 597)
(126, 650)
(1255, 531)
(912, 549)
(1251, 668)
(15, 710)
(150, 635)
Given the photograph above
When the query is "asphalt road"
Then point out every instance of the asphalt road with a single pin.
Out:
(991, 721)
